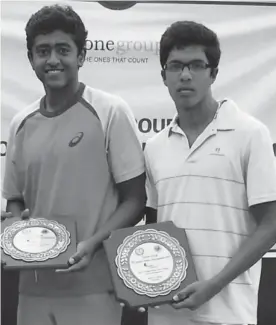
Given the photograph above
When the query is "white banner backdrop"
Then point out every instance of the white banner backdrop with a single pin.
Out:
(122, 58)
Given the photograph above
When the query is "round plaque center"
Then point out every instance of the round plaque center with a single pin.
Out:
(35, 240)
(151, 263)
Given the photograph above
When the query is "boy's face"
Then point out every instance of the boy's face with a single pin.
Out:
(188, 87)
(55, 59)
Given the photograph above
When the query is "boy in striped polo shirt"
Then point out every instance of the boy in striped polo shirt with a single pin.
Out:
(73, 153)
(212, 172)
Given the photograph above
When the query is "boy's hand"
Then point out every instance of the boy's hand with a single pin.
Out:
(82, 258)
(24, 215)
(195, 295)
(5, 215)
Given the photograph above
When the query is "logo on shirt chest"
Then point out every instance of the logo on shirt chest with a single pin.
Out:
(76, 139)
(217, 151)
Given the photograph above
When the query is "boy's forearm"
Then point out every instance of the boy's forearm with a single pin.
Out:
(132, 200)
(128, 214)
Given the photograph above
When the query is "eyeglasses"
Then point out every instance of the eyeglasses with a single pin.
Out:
(193, 66)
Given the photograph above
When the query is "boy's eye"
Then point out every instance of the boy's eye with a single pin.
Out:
(63, 50)
(42, 51)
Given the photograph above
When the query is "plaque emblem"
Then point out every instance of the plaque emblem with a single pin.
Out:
(35, 240)
(151, 262)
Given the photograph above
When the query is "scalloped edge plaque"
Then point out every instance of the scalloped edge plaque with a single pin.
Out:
(10, 242)
(168, 257)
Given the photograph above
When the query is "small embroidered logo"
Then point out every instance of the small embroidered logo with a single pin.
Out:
(217, 150)
(77, 138)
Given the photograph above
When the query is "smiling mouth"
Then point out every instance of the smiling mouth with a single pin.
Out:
(53, 72)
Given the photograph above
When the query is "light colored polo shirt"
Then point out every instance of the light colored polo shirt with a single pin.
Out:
(208, 189)
(67, 163)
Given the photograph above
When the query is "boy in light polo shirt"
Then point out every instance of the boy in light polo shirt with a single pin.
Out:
(73, 153)
(211, 172)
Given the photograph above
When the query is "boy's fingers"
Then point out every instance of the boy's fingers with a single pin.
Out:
(6, 215)
(25, 214)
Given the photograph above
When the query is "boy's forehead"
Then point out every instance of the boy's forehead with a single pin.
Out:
(191, 52)
(55, 37)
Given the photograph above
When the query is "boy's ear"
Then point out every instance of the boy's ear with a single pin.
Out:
(30, 57)
(81, 58)
(214, 73)
(163, 75)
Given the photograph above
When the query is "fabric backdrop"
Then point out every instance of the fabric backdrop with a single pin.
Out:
(122, 58)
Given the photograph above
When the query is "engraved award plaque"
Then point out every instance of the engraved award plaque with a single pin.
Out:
(149, 264)
(38, 242)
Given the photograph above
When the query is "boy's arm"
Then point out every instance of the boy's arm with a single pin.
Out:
(152, 195)
(151, 215)
(11, 192)
(129, 212)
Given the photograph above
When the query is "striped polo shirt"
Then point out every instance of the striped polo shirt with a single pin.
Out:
(67, 164)
(207, 190)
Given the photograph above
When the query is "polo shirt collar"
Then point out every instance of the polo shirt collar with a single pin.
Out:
(228, 116)
(174, 126)
(226, 119)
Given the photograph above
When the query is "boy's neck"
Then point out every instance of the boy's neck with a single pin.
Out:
(55, 99)
(196, 118)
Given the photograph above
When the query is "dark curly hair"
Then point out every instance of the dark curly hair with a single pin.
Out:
(56, 17)
(186, 33)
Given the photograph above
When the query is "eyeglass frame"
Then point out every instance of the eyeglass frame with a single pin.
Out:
(207, 65)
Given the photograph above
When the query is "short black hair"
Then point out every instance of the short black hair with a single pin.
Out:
(187, 33)
(56, 17)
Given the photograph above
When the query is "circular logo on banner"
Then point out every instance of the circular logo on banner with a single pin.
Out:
(117, 5)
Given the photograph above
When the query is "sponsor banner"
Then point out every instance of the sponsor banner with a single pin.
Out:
(123, 58)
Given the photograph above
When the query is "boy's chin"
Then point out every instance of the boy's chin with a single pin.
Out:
(55, 85)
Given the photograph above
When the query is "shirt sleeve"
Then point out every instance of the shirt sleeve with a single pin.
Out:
(260, 168)
(124, 149)
(152, 195)
(11, 188)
